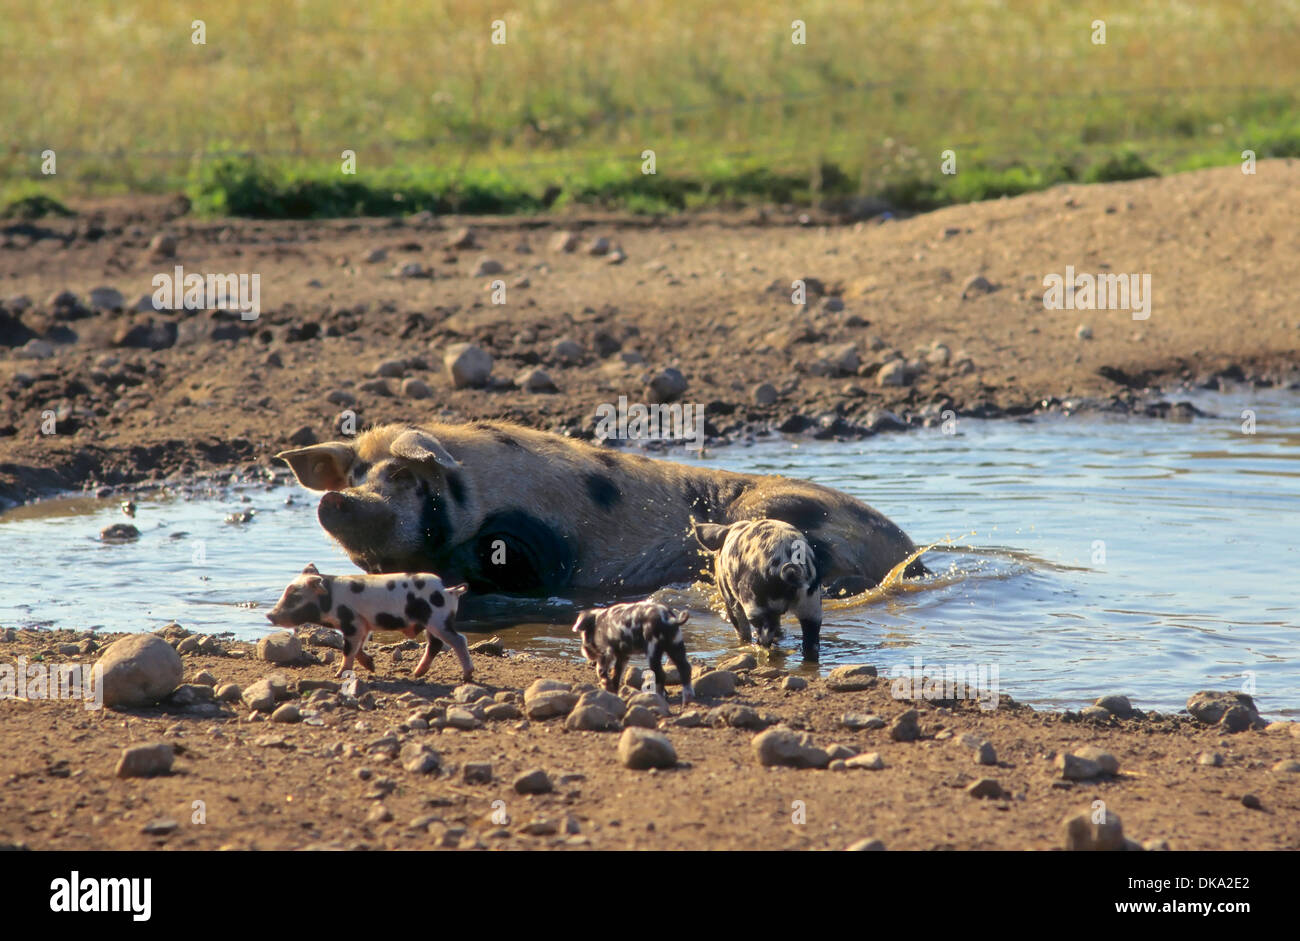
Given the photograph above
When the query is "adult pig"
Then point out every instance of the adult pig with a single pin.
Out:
(514, 510)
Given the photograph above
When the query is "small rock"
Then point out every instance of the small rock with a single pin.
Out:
(379, 814)
(1083, 332)
(607, 701)
(119, 532)
(564, 241)
(1116, 705)
(282, 647)
(104, 298)
(652, 701)
(1234, 711)
(1287, 766)
(985, 787)
(715, 684)
(1082, 834)
(851, 678)
(1076, 768)
(488, 266)
(866, 846)
(1252, 801)
(477, 772)
(413, 388)
(534, 782)
(535, 380)
(740, 662)
(461, 718)
(793, 684)
(765, 394)
(1211, 759)
(859, 721)
(144, 761)
(461, 239)
(976, 285)
(566, 352)
(470, 692)
(1104, 759)
(668, 385)
(641, 749)
(905, 728)
(230, 692)
(598, 246)
(289, 712)
(468, 365)
(892, 373)
(502, 711)
(419, 758)
(591, 718)
(786, 747)
(549, 704)
(870, 761)
(640, 717)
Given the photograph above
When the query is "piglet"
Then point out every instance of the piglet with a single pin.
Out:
(610, 635)
(359, 604)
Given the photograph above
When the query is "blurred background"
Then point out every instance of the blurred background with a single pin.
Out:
(254, 120)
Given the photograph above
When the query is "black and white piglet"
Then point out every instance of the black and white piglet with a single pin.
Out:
(765, 568)
(611, 635)
(358, 604)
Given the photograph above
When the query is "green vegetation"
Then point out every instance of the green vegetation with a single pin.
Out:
(256, 120)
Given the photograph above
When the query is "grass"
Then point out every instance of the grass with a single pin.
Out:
(255, 121)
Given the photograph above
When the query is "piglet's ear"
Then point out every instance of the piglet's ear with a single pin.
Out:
(422, 448)
(457, 589)
(311, 569)
(585, 619)
(710, 535)
(316, 585)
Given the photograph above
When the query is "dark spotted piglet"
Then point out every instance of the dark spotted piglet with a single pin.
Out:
(763, 569)
(358, 604)
(611, 635)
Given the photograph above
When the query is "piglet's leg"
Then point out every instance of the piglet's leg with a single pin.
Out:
(456, 641)
(677, 654)
(431, 647)
(352, 641)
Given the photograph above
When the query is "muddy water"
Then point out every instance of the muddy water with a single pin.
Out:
(1077, 556)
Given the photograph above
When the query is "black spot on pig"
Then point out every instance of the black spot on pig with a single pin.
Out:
(417, 609)
(389, 622)
(802, 513)
(603, 491)
(437, 599)
(356, 585)
(456, 487)
(345, 617)
(391, 585)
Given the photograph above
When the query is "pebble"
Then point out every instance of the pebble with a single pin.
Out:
(866, 846)
(1107, 762)
(143, 761)
(598, 246)
(139, 670)
(379, 814)
(871, 761)
(375, 256)
(1211, 759)
(851, 678)
(230, 692)
(859, 721)
(667, 385)
(1081, 834)
(461, 718)
(547, 705)
(1252, 801)
(536, 781)
(892, 373)
(163, 245)
(651, 701)
(985, 787)
(468, 365)
(794, 683)
(1076, 768)
(789, 748)
(162, 826)
(642, 749)
(1083, 332)
(289, 712)
(502, 711)
(591, 718)
(1096, 713)
(905, 728)
(564, 241)
(1287, 766)
(607, 701)
(840, 752)
(260, 697)
(975, 285)
(413, 388)
(105, 298)
(461, 239)
(640, 717)
(488, 266)
(419, 758)
(765, 394)
(535, 380)
(739, 662)
(1116, 705)
(736, 716)
(566, 352)
(470, 692)
(477, 772)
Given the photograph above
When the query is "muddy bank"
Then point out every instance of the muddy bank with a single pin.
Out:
(902, 321)
(398, 764)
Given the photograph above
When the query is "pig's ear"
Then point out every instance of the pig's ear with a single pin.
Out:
(316, 585)
(458, 590)
(422, 448)
(710, 535)
(586, 621)
(321, 466)
(311, 569)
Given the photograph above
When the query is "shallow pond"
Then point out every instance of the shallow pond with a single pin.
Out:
(1079, 556)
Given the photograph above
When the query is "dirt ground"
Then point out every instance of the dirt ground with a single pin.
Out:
(274, 785)
(139, 395)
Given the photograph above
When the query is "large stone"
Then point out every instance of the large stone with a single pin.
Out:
(607, 701)
(1107, 762)
(1076, 767)
(536, 781)
(419, 758)
(905, 728)
(1234, 711)
(786, 747)
(550, 704)
(1116, 705)
(139, 670)
(668, 385)
(641, 749)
